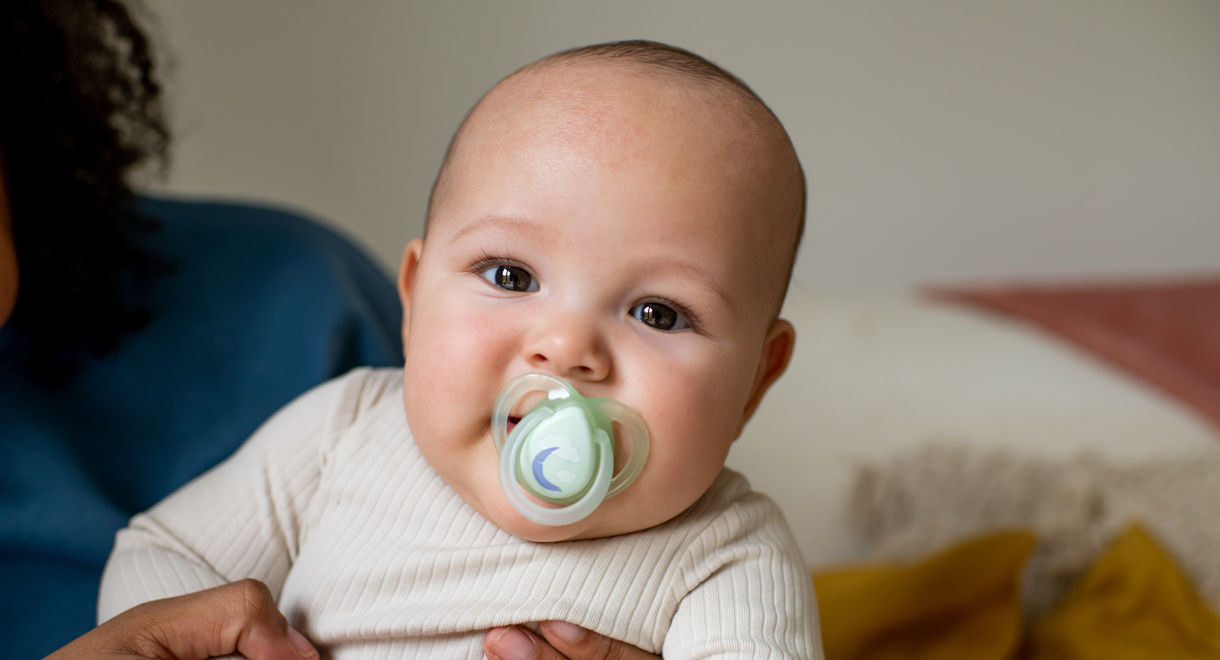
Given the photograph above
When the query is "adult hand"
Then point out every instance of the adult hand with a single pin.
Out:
(559, 641)
(240, 617)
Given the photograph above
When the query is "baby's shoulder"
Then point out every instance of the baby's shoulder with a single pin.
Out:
(364, 388)
(729, 513)
(732, 492)
(341, 402)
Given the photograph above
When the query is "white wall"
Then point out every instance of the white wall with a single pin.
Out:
(944, 140)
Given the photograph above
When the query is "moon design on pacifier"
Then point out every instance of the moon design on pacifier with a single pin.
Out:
(561, 452)
(539, 475)
(561, 447)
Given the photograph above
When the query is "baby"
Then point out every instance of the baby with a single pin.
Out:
(623, 217)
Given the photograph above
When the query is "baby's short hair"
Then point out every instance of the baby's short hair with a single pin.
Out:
(665, 60)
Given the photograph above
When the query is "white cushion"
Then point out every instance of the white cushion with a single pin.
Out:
(874, 375)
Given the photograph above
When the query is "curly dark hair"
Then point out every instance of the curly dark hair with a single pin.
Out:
(82, 111)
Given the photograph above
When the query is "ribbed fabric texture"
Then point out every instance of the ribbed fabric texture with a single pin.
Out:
(373, 556)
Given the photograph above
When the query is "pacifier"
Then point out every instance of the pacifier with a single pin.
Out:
(562, 450)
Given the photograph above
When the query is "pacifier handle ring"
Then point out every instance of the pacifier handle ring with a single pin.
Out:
(548, 516)
(637, 436)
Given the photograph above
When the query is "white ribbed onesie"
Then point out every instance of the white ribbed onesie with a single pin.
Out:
(372, 555)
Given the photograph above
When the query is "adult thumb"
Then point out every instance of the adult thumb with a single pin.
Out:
(240, 617)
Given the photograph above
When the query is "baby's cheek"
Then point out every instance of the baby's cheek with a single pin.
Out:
(464, 337)
(686, 457)
(448, 363)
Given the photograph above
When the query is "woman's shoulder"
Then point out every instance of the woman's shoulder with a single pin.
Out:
(256, 234)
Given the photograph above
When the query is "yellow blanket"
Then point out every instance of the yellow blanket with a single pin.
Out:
(964, 603)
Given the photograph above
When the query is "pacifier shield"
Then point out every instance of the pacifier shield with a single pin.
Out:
(562, 450)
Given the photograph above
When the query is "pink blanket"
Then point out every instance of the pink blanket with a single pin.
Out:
(1165, 333)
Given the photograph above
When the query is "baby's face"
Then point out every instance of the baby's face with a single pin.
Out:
(614, 232)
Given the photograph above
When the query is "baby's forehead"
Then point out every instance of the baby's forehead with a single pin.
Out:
(619, 114)
(616, 111)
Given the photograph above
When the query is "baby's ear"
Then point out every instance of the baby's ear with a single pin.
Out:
(776, 352)
(406, 279)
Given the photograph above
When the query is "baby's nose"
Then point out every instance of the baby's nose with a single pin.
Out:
(572, 348)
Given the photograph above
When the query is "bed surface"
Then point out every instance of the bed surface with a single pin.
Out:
(878, 375)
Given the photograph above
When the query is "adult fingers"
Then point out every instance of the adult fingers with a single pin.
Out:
(235, 618)
(560, 641)
(576, 643)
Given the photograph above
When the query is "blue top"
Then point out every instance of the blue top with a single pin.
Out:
(263, 305)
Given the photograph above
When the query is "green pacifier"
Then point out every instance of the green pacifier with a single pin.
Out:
(562, 450)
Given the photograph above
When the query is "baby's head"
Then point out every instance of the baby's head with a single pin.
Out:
(623, 216)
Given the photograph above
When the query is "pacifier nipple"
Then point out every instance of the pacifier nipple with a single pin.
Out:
(562, 450)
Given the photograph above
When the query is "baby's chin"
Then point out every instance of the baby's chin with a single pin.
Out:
(502, 514)
(485, 496)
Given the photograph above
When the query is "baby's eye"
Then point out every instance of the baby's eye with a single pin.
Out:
(510, 278)
(659, 316)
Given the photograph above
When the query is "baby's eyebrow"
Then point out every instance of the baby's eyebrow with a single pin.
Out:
(708, 282)
(499, 223)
